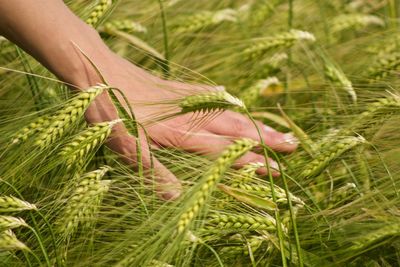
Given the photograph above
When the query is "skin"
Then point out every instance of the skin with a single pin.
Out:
(52, 34)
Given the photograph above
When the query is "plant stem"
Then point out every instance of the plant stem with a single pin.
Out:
(165, 63)
(289, 59)
(271, 181)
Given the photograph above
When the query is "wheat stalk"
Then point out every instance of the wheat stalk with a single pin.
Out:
(244, 244)
(34, 127)
(9, 222)
(371, 237)
(211, 178)
(247, 181)
(248, 172)
(386, 46)
(8, 241)
(282, 40)
(86, 142)
(355, 21)
(385, 64)
(65, 117)
(260, 11)
(259, 88)
(125, 25)
(204, 19)
(240, 222)
(341, 194)
(378, 110)
(11, 204)
(264, 191)
(84, 201)
(218, 100)
(336, 75)
(99, 10)
(329, 152)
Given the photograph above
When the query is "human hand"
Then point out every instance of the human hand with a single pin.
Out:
(210, 137)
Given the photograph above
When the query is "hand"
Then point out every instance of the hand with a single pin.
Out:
(209, 137)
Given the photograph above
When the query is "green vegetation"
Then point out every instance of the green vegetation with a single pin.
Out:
(325, 70)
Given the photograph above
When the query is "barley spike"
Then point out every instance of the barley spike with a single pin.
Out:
(125, 25)
(12, 204)
(211, 178)
(99, 10)
(210, 101)
(330, 152)
(84, 202)
(34, 127)
(8, 241)
(204, 19)
(9, 222)
(240, 222)
(86, 142)
(282, 40)
(66, 116)
(356, 21)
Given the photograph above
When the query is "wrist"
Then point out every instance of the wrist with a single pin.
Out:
(80, 58)
(56, 37)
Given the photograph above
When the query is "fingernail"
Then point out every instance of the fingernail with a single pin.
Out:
(273, 165)
(268, 129)
(171, 195)
(290, 139)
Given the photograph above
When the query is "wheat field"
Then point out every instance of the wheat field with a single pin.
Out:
(325, 71)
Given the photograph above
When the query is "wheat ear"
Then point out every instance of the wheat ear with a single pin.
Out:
(65, 117)
(8, 241)
(219, 100)
(211, 178)
(282, 40)
(84, 202)
(259, 88)
(86, 142)
(125, 25)
(10, 222)
(336, 76)
(378, 110)
(11, 204)
(369, 238)
(355, 21)
(99, 10)
(248, 182)
(34, 127)
(240, 222)
(260, 11)
(385, 64)
(330, 152)
(204, 19)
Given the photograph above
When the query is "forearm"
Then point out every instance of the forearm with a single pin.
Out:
(51, 33)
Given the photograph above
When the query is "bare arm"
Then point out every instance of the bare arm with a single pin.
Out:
(47, 29)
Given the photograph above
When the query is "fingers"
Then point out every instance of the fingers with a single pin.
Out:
(121, 142)
(206, 143)
(167, 186)
(236, 125)
(202, 142)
